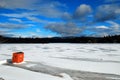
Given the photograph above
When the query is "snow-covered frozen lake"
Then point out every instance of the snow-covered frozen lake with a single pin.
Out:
(95, 58)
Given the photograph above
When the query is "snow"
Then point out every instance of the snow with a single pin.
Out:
(12, 73)
(100, 58)
(110, 68)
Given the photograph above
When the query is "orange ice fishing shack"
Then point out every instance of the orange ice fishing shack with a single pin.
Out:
(18, 57)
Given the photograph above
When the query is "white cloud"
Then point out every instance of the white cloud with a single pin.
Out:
(16, 20)
(37, 20)
(13, 26)
(18, 15)
(112, 29)
(100, 34)
(102, 27)
(29, 16)
(115, 26)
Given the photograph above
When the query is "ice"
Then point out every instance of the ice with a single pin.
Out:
(98, 58)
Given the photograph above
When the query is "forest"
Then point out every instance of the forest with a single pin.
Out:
(72, 39)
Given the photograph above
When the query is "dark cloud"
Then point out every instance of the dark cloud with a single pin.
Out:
(48, 8)
(107, 12)
(68, 29)
(7, 29)
(71, 28)
(5, 33)
(80, 13)
(66, 16)
(8, 35)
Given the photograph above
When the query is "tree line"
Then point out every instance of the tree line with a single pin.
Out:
(107, 39)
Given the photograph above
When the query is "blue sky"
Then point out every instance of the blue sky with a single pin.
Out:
(50, 18)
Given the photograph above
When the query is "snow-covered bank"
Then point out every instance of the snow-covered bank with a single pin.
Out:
(13, 73)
